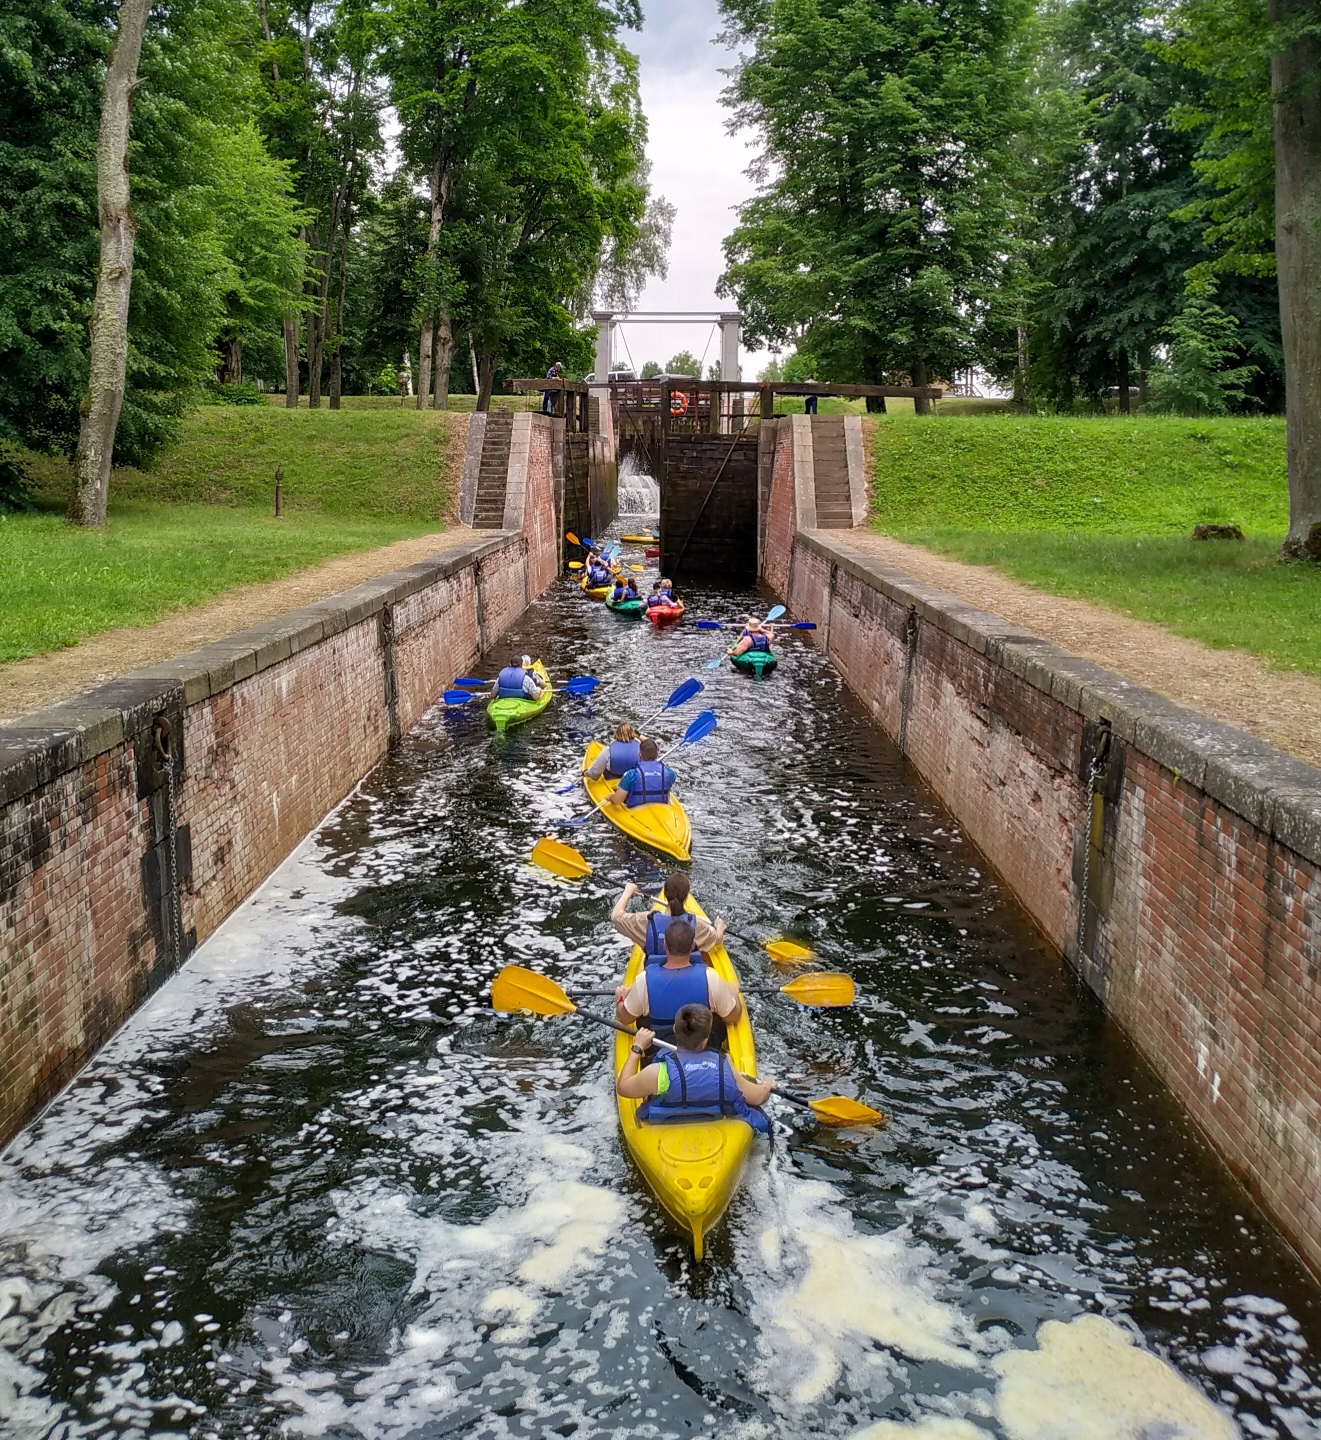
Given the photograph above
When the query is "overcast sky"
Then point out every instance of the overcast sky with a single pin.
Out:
(697, 165)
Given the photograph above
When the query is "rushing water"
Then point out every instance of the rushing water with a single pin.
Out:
(316, 1188)
(639, 495)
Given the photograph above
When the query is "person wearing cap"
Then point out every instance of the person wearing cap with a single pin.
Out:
(519, 682)
(757, 635)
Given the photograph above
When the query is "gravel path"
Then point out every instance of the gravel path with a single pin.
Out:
(44, 679)
(1281, 706)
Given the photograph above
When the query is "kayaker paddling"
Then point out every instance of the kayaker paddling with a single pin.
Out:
(518, 682)
(756, 636)
(623, 589)
(662, 593)
(648, 783)
(663, 988)
(597, 572)
(617, 758)
(692, 1082)
(647, 928)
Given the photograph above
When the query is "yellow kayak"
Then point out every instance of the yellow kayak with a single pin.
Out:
(504, 713)
(639, 539)
(693, 1167)
(664, 827)
(593, 592)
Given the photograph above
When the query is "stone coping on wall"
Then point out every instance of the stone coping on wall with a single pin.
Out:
(1275, 792)
(36, 747)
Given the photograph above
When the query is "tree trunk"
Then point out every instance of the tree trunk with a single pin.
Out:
(486, 371)
(439, 193)
(1022, 383)
(317, 320)
(1125, 403)
(472, 356)
(290, 360)
(425, 346)
(920, 377)
(108, 351)
(1294, 79)
(443, 359)
(1144, 365)
(336, 355)
(230, 369)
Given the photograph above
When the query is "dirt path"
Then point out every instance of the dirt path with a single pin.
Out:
(44, 679)
(1277, 705)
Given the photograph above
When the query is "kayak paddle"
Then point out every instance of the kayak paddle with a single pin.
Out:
(772, 614)
(585, 543)
(820, 990)
(681, 695)
(788, 952)
(470, 682)
(518, 991)
(560, 859)
(578, 685)
(721, 625)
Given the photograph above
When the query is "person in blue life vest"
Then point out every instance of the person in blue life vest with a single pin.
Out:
(649, 782)
(519, 682)
(692, 1082)
(757, 635)
(662, 593)
(654, 598)
(646, 928)
(555, 372)
(623, 589)
(665, 986)
(598, 572)
(617, 758)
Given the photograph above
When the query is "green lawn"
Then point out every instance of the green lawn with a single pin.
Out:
(1103, 509)
(203, 521)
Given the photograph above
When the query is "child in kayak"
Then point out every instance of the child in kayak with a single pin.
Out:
(662, 593)
(624, 589)
(617, 758)
(597, 573)
(756, 636)
(518, 682)
(691, 1082)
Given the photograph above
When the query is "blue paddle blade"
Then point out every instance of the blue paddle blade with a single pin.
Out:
(685, 692)
(775, 612)
(457, 697)
(700, 728)
(801, 625)
(566, 789)
(581, 685)
(709, 625)
(470, 680)
(716, 663)
(572, 821)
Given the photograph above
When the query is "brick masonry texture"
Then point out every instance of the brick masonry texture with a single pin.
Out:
(270, 728)
(1203, 934)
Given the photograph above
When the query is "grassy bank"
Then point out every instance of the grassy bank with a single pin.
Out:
(1103, 510)
(202, 521)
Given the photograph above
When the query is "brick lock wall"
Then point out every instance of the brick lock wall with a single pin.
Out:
(277, 725)
(777, 547)
(1203, 935)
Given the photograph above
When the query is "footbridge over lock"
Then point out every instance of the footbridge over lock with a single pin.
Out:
(714, 447)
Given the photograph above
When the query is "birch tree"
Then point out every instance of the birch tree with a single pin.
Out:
(108, 355)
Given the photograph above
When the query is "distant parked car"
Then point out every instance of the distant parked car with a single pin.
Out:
(618, 377)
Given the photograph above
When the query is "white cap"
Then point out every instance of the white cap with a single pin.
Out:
(527, 662)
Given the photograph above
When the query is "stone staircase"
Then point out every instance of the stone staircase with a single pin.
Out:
(834, 505)
(493, 476)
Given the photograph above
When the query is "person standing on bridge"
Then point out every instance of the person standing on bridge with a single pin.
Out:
(555, 372)
(809, 401)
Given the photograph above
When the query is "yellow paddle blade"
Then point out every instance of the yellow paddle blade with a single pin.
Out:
(637, 569)
(516, 990)
(840, 1110)
(788, 952)
(559, 859)
(575, 564)
(820, 989)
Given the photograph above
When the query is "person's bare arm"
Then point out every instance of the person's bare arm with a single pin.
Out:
(621, 905)
(618, 796)
(634, 1083)
(755, 1092)
(730, 1008)
(625, 1016)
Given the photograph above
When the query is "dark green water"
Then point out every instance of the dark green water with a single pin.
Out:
(316, 1188)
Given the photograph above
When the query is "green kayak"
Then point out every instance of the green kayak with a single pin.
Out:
(754, 662)
(505, 713)
(629, 609)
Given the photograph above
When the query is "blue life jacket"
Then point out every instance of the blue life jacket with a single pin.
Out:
(654, 948)
(510, 683)
(653, 784)
(656, 599)
(702, 1086)
(669, 990)
(623, 758)
(624, 590)
(597, 575)
(666, 597)
(759, 640)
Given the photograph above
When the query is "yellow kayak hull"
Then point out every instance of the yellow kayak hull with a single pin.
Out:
(692, 1167)
(504, 713)
(661, 827)
(639, 539)
(596, 592)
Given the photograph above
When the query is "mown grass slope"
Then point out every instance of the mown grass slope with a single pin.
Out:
(1103, 509)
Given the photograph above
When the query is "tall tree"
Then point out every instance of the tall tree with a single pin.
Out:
(876, 241)
(108, 360)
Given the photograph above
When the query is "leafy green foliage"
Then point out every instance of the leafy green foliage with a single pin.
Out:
(684, 363)
(1200, 378)
(876, 240)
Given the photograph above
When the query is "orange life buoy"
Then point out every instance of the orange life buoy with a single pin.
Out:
(678, 402)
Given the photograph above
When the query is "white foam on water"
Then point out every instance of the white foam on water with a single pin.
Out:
(1088, 1380)
(832, 1294)
(934, 1427)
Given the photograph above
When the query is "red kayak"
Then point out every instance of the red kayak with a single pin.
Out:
(652, 552)
(663, 614)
